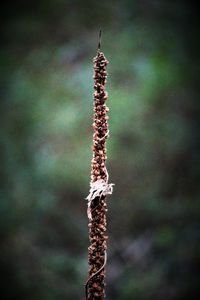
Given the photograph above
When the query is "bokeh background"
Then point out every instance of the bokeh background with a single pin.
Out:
(46, 91)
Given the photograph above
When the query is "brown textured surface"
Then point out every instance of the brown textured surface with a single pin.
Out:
(95, 286)
(100, 124)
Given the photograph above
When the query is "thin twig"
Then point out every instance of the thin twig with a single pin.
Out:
(99, 43)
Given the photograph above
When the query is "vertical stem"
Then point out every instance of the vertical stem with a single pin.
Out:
(95, 286)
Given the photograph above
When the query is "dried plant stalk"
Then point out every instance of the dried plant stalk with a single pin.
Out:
(97, 207)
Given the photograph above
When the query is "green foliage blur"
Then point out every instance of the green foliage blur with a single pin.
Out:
(46, 89)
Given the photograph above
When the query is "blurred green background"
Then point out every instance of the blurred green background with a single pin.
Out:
(46, 89)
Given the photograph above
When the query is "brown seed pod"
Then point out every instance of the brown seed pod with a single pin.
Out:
(97, 206)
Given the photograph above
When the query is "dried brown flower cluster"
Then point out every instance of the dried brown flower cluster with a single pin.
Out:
(95, 286)
(100, 124)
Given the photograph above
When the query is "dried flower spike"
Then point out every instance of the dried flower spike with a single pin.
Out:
(99, 187)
